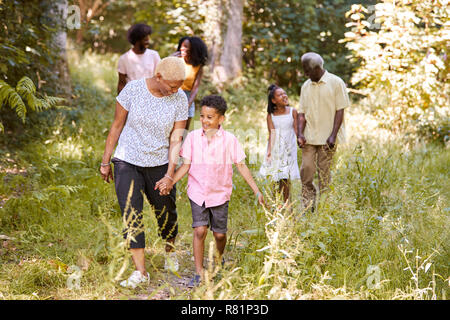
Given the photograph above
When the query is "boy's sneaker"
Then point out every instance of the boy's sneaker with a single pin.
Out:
(171, 263)
(195, 281)
(135, 279)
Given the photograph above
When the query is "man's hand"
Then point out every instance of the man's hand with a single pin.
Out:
(331, 141)
(301, 140)
(106, 173)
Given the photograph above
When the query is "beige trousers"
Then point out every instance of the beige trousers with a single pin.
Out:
(315, 158)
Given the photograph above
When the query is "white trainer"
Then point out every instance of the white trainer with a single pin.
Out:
(171, 263)
(135, 279)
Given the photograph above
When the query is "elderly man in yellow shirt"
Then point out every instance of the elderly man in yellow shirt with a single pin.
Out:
(323, 99)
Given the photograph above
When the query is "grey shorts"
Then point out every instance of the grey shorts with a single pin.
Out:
(214, 217)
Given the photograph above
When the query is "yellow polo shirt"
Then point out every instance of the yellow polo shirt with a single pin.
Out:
(319, 101)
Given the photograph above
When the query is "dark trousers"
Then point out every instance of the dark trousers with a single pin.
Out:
(143, 180)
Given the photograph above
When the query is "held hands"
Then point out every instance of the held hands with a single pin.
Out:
(301, 140)
(164, 185)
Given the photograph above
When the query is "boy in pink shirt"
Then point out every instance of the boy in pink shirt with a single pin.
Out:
(208, 155)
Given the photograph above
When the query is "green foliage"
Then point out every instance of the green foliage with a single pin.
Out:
(277, 33)
(26, 46)
(10, 97)
(29, 55)
(172, 20)
(404, 68)
(25, 95)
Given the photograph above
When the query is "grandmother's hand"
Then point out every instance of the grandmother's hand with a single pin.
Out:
(164, 185)
(106, 173)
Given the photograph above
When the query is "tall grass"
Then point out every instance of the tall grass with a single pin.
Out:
(380, 233)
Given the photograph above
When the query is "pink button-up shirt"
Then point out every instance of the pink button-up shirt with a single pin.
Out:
(211, 171)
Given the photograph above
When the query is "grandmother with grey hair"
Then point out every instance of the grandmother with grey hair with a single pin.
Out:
(323, 99)
(148, 126)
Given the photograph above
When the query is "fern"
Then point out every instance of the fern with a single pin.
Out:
(65, 190)
(26, 85)
(10, 97)
(25, 91)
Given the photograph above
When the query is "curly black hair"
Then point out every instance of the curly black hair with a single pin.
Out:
(271, 93)
(216, 102)
(138, 32)
(199, 51)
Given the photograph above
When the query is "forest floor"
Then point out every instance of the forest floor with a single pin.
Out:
(381, 233)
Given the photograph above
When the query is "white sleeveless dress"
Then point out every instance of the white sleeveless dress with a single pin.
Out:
(283, 163)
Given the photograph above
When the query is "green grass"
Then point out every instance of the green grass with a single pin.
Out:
(388, 208)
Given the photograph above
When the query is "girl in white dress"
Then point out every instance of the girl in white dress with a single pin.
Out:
(280, 163)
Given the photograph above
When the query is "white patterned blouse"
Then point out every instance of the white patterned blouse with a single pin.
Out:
(144, 140)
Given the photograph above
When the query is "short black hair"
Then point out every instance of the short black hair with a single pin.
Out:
(138, 32)
(271, 93)
(216, 102)
(198, 52)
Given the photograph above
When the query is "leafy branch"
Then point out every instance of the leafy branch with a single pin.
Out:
(24, 97)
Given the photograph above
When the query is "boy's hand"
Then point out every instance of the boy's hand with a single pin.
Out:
(164, 185)
(261, 199)
(164, 189)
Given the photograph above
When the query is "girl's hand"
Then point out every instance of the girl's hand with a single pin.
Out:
(268, 156)
(106, 173)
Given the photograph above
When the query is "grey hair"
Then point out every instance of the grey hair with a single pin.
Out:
(312, 59)
(171, 68)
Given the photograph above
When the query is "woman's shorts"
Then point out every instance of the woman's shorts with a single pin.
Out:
(191, 111)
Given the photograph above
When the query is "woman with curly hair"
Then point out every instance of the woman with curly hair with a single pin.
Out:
(194, 53)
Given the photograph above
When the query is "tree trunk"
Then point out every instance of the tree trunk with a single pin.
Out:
(61, 67)
(225, 51)
(231, 59)
(212, 29)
